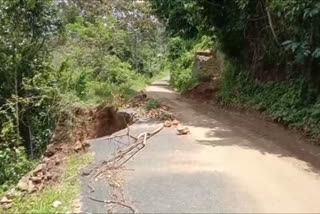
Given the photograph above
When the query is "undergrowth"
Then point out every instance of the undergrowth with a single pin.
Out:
(291, 102)
(152, 104)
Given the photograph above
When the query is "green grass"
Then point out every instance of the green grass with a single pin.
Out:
(66, 191)
(152, 104)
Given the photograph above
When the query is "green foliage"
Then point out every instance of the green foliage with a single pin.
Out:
(176, 48)
(152, 104)
(302, 32)
(100, 65)
(182, 53)
(14, 165)
(181, 16)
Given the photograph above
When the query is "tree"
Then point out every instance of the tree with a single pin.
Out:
(26, 25)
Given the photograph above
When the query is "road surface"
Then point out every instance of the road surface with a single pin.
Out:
(230, 163)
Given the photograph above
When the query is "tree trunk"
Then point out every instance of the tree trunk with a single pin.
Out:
(17, 102)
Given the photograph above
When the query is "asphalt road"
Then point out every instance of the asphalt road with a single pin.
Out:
(230, 163)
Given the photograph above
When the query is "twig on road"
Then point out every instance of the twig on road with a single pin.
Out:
(113, 202)
(119, 159)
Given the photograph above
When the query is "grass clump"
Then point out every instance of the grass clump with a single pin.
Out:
(152, 104)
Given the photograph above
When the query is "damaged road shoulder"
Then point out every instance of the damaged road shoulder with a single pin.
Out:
(109, 169)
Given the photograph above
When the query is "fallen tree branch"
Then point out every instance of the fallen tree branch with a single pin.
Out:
(141, 141)
(121, 158)
(113, 202)
(139, 144)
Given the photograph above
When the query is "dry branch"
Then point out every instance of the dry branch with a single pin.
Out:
(121, 158)
(112, 202)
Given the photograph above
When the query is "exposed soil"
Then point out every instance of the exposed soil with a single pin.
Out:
(204, 91)
(107, 120)
(70, 137)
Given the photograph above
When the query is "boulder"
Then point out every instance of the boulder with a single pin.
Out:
(167, 124)
(13, 193)
(31, 187)
(51, 150)
(6, 206)
(182, 130)
(23, 183)
(206, 65)
(78, 146)
(38, 169)
(5, 200)
(36, 179)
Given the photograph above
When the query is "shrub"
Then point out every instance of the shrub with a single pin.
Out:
(152, 104)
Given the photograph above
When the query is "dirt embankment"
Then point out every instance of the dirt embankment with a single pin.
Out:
(70, 137)
(107, 120)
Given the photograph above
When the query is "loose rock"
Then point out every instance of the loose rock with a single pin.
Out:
(57, 161)
(38, 169)
(23, 183)
(45, 160)
(56, 204)
(182, 130)
(78, 146)
(31, 187)
(165, 107)
(6, 206)
(5, 200)
(167, 124)
(48, 176)
(13, 193)
(37, 179)
(51, 150)
(175, 122)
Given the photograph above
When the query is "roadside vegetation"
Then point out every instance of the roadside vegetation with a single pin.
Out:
(270, 53)
(64, 192)
(59, 56)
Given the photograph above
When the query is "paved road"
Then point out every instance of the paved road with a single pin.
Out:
(230, 163)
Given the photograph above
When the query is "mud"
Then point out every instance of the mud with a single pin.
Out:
(107, 120)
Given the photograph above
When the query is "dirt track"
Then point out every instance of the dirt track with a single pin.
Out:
(276, 168)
